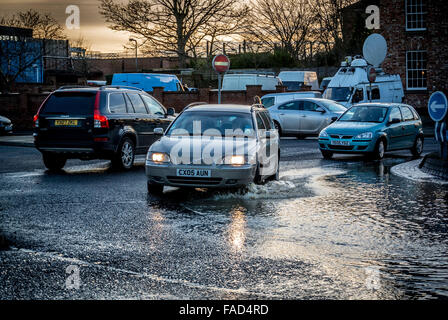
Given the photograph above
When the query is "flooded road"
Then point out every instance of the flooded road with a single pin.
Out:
(340, 229)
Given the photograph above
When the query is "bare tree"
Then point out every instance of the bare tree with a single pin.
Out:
(44, 25)
(167, 26)
(328, 23)
(282, 24)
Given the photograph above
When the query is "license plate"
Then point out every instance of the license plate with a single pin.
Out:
(340, 143)
(66, 123)
(193, 173)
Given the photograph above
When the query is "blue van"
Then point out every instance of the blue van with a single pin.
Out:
(147, 81)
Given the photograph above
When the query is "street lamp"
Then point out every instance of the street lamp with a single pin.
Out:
(136, 58)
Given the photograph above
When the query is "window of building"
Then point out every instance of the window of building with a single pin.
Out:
(415, 15)
(416, 70)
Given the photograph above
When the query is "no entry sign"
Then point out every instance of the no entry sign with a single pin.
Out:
(221, 63)
(371, 74)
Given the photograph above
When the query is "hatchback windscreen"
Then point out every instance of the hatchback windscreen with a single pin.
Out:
(70, 103)
(268, 102)
(213, 123)
(334, 107)
(338, 94)
(364, 114)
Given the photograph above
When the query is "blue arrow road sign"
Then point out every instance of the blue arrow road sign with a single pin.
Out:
(437, 106)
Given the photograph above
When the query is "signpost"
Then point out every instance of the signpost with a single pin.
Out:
(221, 64)
(371, 76)
(437, 109)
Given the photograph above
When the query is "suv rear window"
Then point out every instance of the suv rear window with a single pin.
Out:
(71, 103)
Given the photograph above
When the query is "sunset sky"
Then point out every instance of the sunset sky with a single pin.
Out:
(93, 27)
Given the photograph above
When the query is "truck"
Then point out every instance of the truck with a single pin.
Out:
(350, 85)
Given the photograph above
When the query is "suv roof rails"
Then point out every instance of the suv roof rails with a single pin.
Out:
(199, 103)
(119, 87)
(73, 87)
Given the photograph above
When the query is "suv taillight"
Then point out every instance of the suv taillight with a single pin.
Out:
(36, 121)
(99, 120)
(36, 117)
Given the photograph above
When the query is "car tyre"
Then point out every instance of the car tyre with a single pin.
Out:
(417, 148)
(154, 188)
(258, 179)
(54, 162)
(327, 154)
(278, 128)
(125, 156)
(380, 149)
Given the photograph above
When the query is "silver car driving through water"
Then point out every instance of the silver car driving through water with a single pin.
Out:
(215, 146)
(304, 116)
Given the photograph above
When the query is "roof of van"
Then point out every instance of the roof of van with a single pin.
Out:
(359, 76)
(148, 74)
(293, 75)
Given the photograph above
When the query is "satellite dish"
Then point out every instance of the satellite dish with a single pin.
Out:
(375, 49)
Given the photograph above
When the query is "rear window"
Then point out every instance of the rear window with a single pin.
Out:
(71, 103)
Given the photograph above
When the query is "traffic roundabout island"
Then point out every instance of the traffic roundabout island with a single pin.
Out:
(429, 169)
(434, 165)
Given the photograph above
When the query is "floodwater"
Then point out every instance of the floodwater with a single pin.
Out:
(337, 230)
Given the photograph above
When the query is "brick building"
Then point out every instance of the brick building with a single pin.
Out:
(416, 32)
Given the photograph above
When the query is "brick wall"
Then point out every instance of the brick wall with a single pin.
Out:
(21, 108)
(434, 40)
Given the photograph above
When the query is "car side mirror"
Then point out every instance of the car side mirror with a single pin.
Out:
(333, 119)
(158, 131)
(394, 120)
(170, 112)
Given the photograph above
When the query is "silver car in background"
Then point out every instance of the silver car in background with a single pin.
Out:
(214, 146)
(305, 116)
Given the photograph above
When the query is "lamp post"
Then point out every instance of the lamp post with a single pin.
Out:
(136, 58)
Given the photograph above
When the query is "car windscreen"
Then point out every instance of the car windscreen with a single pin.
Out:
(213, 123)
(68, 103)
(268, 102)
(364, 114)
(334, 107)
(337, 94)
(293, 85)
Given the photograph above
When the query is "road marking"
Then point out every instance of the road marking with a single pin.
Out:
(146, 275)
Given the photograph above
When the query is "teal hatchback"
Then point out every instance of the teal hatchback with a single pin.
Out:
(373, 129)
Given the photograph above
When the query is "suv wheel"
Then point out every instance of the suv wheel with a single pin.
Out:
(258, 179)
(278, 128)
(124, 158)
(417, 149)
(53, 162)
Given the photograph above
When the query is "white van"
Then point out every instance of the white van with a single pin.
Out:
(294, 80)
(350, 85)
(269, 100)
(238, 82)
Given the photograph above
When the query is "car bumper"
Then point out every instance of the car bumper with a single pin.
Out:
(354, 146)
(221, 176)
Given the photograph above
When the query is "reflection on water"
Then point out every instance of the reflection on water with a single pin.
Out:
(343, 221)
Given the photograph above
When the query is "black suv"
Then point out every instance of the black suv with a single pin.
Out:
(109, 122)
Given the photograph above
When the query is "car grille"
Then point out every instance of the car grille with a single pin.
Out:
(194, 180)
(338, 136)
(341, 147)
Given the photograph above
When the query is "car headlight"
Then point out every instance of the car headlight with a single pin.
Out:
(236, 160)
(365, 135)
(158, 157)
(323, 134)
